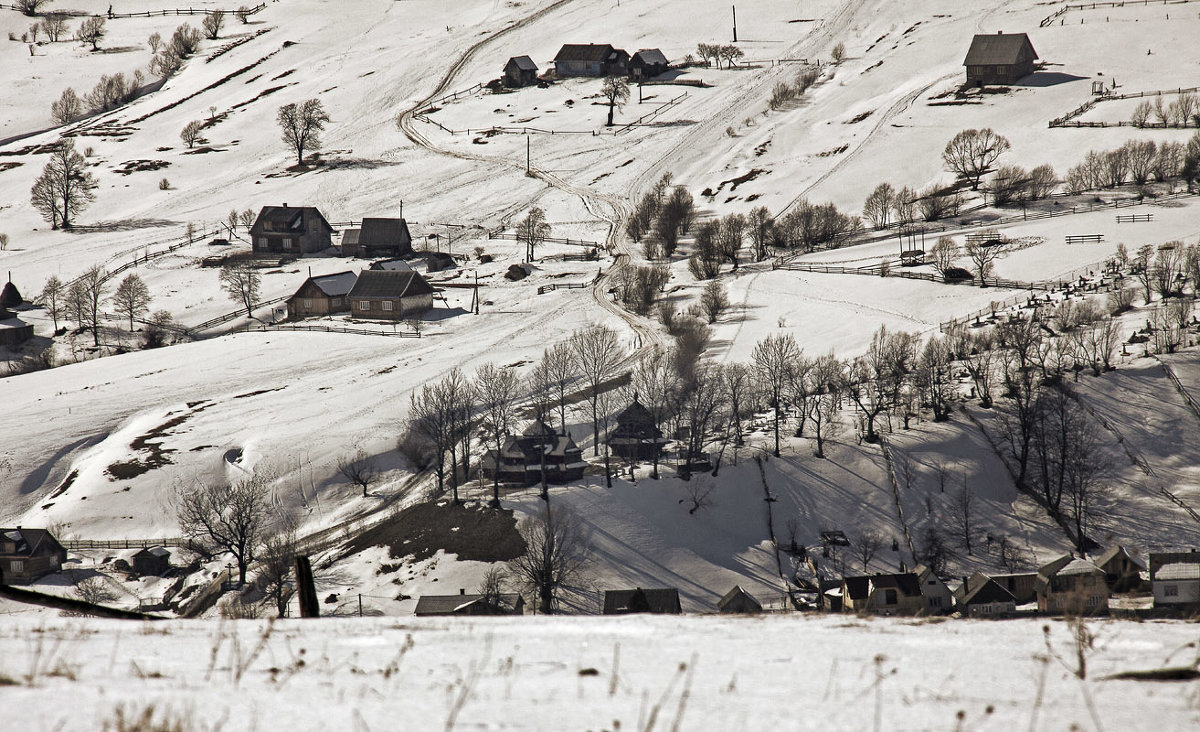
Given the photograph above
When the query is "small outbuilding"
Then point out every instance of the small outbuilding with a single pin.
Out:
(152, 561)
(27, 554)
(464, 604)
(322, 295)
(390, 295)
(663, 601)
(294, 230)
(999, 59)
(378, 237)
(13, 330)
(591, 59)
(647, 64)
(520, 71)
(1020, 584)
(738, 600)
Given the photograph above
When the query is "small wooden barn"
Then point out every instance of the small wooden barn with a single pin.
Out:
(636, 436)
(663, 601)
(999, 59)
(390, 295)
(738, 600)
(294, 230)
(1019, 584)
(378, 237)
(520, 71)
(591, 59)
(647, 64)
(465, 604)
(153, 561)
(27, 554)
(322, 295)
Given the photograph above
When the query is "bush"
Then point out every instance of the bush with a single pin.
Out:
(164, 185)
(714, 300)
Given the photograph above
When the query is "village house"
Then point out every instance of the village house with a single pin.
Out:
(538, 452)
(885, 594)
(290, 230)
(464, 604)
(636, 436)
(738, 600)
(378, 237)
(27, 554)
(1122, 570)
(1019, 584)
(981, 596)
(647, 64)
(937, 594)
(1074, 586)
(656, 601)
(1176, 586)
(999, 59)
(589, 59)
(152, 561)
(520, 71)
(322, 295)
(387, 295)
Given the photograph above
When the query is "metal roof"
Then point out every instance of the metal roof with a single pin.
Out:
(384, 233)
(1178, 571)
(585, 52)
(335, 285)
(1001, 49)
(386, 284)
(524, 63)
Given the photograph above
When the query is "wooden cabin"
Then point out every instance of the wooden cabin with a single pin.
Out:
(294, 230)
(520, 71)
(980, 596)
(378, 237)
(647, 64)
(322, 295)
(591, 59)
(636, 436)
(154, 561)
(390, 295)
(738, 600)
(464, 604)
(639, 600)
(1071, 586)
(999, 59)
(27, 554)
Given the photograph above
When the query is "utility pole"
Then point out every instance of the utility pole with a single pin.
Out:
(527, 154)
(734, 23)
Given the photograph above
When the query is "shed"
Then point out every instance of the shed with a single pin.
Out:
(464, 604)
(292, 230)
(999, 59)
(322, 295)
(738, 600)
(151, 561)
(378, 237)
(390, 295)
(27, 554)
(591, 59)
(647, 63)
(639, 600)
(520, 71)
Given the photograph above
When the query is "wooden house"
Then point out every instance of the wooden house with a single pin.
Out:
(938, 597)
(1176, 586)
(520, 71)
(1019, 584)
(538, 451)
(464, 604)
(387, 295)
(636, 436)
(322, 295)
(886, 594)
(738, 600)
(290, 230)
(152, 561)
(647, 64)
(656, 601)
(1122, 570)
(999, 59)
(981, 596)
(27, 554)
(1073, 586)
(378, 237)
(591, 59)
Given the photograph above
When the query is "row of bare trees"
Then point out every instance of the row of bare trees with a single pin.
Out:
(1182, 112)
(1138, 162)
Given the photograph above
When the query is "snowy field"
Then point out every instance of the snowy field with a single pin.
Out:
(637, 672)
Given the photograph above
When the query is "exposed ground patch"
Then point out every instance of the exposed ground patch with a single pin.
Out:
(473, 533)
(150, 444)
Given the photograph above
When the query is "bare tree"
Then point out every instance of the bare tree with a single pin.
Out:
(597, 352)
(701, 405)
(65, 186)
(491, 587)
(739, 394)
(242, 14)
(533, 230)
(774, 358)
(68, 108)
(30, 7)
(241, 282)
(226, 517)
(944, 252)
(616, 91)
(433, 415)
(838, 53)
(132, 298)
(276, 561)
(94, 590)
(84, 298)
(53, 295)
(762, 229)
(962, 517)
(360, 469)
(971, 153)
(91, 31)
(713, 300)
(825, 398)
(983, 256)
(213, 22)
(697, 495)
(496, 391)
(655, 386)
(729, 54)
(1141, 114)
(865, 545)
(878, 207)
(191, 132)
(556, 555)
(302, 126)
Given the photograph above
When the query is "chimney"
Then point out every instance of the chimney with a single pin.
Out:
(285, 204)
(999, 33)
(462, 591)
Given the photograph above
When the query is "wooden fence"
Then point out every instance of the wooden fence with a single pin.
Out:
(651, 115)
(431, 106)
(74, 544)
(189, 11)
(1048, 20)
(562, 286)
(222, 319)
(1068, 119)
(512, 236)
(337, 329)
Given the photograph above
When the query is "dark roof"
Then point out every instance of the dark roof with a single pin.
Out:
(585, 52)
(859, 588)
(288, 218)
(10, 297)
(384, 233)
(524, 63)
(350, 237)
(538, 428)
(639, 600)
(740, 597)
(1116, 551)
(651, 56)
(335, 285)
(154, 551)
(981, 589)
(1000, 49)
(636, 421)
(1050, 569)
(509, 603)
(386, 283)
(32, 542)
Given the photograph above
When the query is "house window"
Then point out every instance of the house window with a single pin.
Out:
(364, 304)
(17, 566)
(387, 305)
(1171, 591)
(287, 243)
(889, 597)
(308, 303)
(935, 602)
(261, 242)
